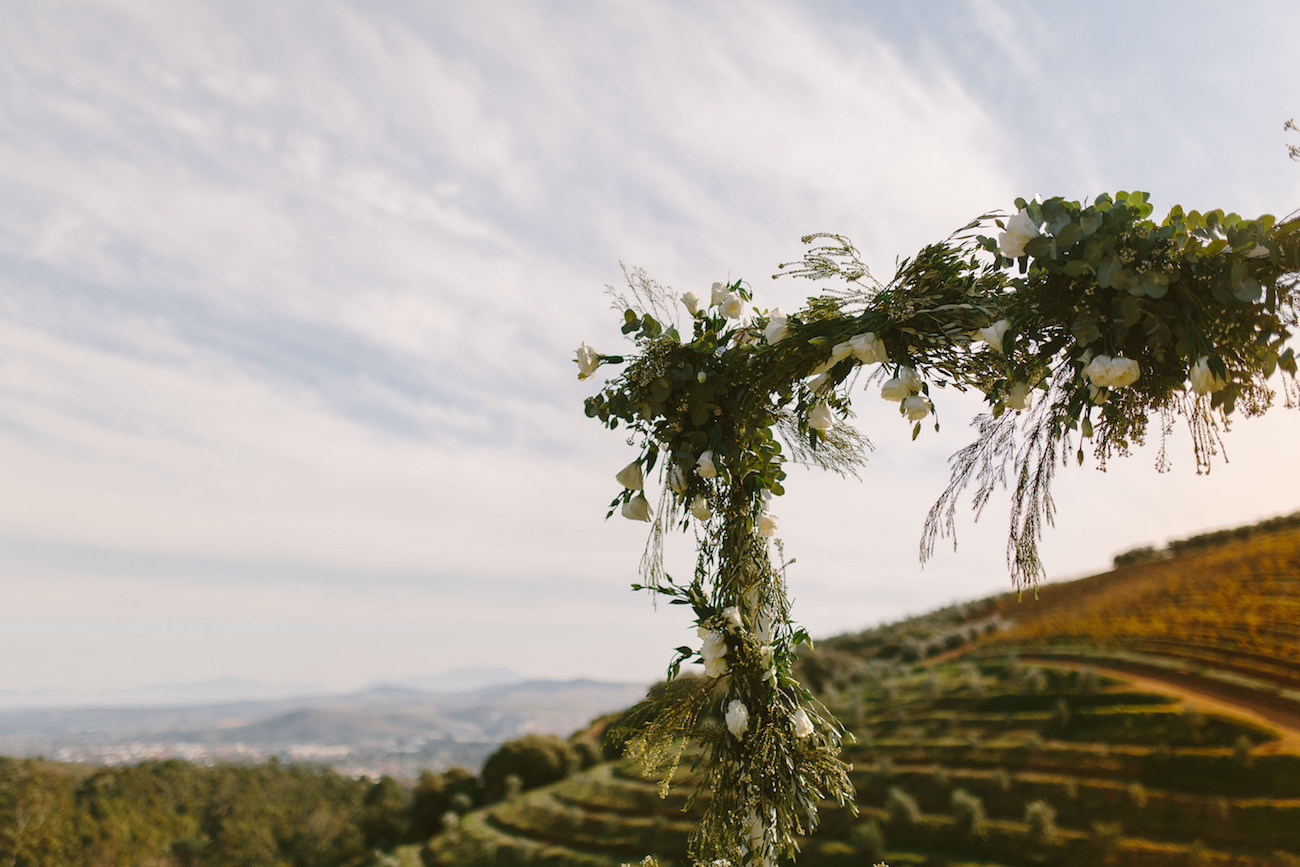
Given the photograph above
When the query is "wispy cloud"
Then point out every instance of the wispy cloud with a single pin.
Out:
(290, 289)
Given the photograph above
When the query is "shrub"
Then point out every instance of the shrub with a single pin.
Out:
(868, 840)
(1104, 840)
(902, 808)
(967, 814)
(535, 759)
(1040, 816)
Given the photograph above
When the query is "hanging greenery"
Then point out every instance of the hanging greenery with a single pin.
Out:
(1080, 323)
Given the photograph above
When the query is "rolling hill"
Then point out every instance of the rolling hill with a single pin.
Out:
(1146, 716)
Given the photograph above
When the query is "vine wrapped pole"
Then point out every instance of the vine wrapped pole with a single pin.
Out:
(1082, 319)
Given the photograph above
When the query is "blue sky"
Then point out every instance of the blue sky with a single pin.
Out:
(289, 293)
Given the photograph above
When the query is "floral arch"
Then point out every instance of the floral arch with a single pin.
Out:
(1081, 323)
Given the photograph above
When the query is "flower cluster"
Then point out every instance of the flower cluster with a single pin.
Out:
(1092, 318)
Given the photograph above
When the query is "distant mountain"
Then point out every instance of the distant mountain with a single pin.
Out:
(460, 680)
(385, 729)
(214, 691)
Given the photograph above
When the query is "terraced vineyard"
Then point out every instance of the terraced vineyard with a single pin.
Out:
(1004, 733)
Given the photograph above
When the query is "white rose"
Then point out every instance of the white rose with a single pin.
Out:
(637, 509)
(720, 292)
(737, 718)
(823, 367)
(821, 418)
(819, 384)
(767, 657)
(631, 477)
(731, 614)
(1098, 371)
(777, 327)
(768, 525)
(704, 466)
(802, 725)
(910, 378)
(588, 360)
(713, 651)
(692, 302)
(994, 333)
(676, 479)
(917, 407)
(1021, 229)
(700, 508)
(732, 306)
(841, 351)
(1123, 371)
(1018, 395)
(1204, 380)
(868, 349)
(895, 390)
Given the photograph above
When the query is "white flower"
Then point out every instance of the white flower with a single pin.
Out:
(768, 525)
(637, 509)
(704, 466)
(737, 718)
(917, 407)
(692, 302)
(895, 390)
(720, 292)
(588, 360)
(802, 725)
(1018, 395)
(676, 478)
(700, 508)
(1106, 372)
(1021, 229)
(713, 651)
(1124, 371)
(994, 333)
(820, 384)
(778, 328)
(631, 477)
(841, 351)
(868, 349)
(731, 614)
(1098, 371)
(821, 418)
(910, 378)
(1204, 380)
(732, 306)
(767, 656)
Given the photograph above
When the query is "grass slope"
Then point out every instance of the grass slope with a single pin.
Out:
(988, 734)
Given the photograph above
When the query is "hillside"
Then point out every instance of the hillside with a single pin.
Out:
(1146, 716)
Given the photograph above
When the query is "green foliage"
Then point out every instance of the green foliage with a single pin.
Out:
(1094, 308)
(175, 813)
(535, 759)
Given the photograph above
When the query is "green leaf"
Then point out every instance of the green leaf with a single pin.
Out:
(1238, 275)
(1068, 236)
(1106, 271)
(1090, 223)
(1155, 284)
(1124, 280)
(1250, 291)
(1077, 268)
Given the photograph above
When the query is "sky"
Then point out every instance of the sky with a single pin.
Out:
(289, 297)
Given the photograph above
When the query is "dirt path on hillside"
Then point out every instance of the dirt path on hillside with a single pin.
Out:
(1287, 725)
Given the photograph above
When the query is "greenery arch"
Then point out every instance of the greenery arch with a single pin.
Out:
(1075, 320)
